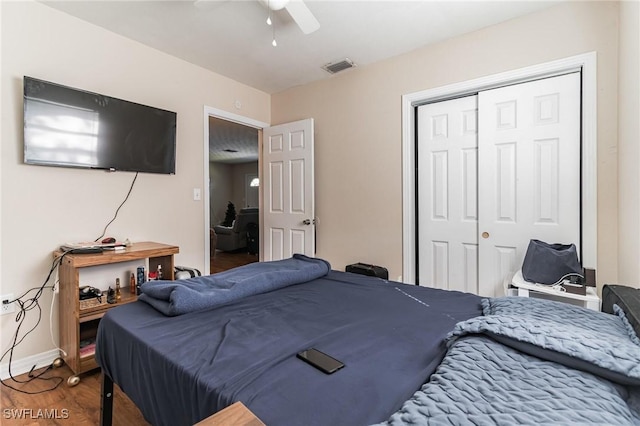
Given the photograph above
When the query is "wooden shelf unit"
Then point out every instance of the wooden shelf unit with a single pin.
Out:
(79, 324)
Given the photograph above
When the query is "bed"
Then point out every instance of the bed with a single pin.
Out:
(412, 355)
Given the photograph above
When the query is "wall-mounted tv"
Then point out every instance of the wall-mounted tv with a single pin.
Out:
(69, 127)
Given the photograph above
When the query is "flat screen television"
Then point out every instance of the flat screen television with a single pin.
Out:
(69, 127)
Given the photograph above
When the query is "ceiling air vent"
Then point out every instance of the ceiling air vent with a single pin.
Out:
(342, 65)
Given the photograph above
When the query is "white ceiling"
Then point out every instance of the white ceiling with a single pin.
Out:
(231, 37)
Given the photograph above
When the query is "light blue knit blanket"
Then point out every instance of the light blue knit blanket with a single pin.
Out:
(194, 294)
(531, 361)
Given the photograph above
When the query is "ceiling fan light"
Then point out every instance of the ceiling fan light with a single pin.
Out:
(274, 43)
(269, 20)
(277, 4)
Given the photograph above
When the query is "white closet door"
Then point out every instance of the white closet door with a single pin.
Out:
(529, 180)
(485, 190)
(447, 199)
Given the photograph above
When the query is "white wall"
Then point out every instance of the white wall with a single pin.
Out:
(629, 144)
(358, 125)
(43, 207)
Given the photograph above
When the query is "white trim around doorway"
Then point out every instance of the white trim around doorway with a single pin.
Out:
(229, 116)
(586, 63)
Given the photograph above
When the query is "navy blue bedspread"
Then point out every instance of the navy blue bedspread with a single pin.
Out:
(179, 370)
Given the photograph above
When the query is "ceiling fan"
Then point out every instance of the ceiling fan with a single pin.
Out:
(297, 9)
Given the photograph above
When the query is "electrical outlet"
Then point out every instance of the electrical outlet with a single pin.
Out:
(7, 308)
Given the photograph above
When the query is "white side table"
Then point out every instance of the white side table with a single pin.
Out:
(589, 301)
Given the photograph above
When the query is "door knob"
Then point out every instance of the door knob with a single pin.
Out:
(485, 235)
(306, 222)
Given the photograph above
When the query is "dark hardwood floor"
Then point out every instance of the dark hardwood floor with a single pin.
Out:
(226, 260)
(78, 405)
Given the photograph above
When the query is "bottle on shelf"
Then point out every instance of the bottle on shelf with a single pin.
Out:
(141, 278)
(118, 295)
(159, 272)
(132, 284)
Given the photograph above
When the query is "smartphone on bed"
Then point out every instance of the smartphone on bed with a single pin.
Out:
(320, 360)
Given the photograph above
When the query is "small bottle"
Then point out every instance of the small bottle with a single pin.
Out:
(159, 273)
(132, 284)
(118, 295)
(141, 278)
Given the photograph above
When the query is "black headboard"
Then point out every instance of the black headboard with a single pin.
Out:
(627, 298)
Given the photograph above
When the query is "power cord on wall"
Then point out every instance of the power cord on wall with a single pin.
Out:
(104, 231)
(53, 299)
(31, 303)
(26, 305)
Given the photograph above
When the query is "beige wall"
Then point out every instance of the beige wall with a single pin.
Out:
(43, 207)
(358, 138)
(629, 144)
(358, 127)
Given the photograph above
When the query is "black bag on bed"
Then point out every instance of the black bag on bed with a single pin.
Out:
(550, 263)
(370, 270)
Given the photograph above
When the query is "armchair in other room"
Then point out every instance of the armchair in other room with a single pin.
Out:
(235, 237)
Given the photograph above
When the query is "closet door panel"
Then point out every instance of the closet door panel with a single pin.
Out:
(448, 195)
(529, 180)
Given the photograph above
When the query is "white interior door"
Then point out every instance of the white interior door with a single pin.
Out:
(447, 199)
(529, 184)
(526, 158)
(288, 190)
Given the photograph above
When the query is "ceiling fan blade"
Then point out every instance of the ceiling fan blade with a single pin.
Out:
(303, 16)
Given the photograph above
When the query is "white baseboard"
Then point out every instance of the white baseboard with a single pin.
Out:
(24, 365)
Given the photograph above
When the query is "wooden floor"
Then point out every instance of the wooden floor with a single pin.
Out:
(80, 405)
(226, 260)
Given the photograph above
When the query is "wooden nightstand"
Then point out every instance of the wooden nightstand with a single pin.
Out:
(78, 322)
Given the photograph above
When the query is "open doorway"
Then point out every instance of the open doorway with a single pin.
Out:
(233, 193)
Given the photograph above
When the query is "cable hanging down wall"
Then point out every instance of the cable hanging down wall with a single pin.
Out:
(28, 303)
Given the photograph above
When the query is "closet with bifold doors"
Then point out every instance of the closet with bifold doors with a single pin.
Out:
(494, 170)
